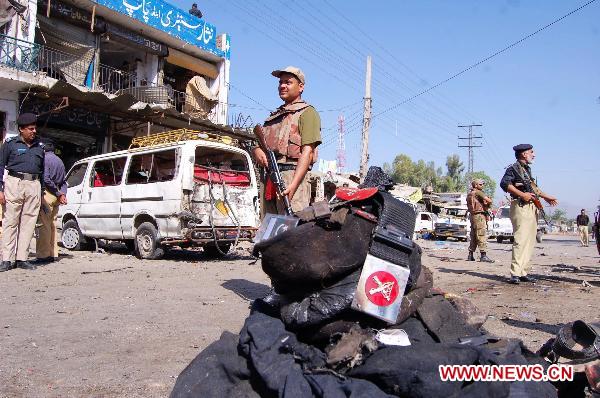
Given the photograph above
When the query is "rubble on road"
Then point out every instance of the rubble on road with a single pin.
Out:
(313, 336)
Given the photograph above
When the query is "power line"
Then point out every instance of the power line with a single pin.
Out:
(485, 59)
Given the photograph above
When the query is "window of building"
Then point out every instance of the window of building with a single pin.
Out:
(108, 172)
(216, 166)
(76, 175)
(152, 167)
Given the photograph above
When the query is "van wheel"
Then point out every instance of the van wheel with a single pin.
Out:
(499, 239)
(146, 242)
(71, 236)
(212, 251)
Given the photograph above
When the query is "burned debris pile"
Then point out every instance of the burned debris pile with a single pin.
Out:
(353, 313)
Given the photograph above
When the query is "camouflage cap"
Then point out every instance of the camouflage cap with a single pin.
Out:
(290, 69)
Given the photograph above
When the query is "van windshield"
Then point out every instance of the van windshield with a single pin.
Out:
(218, 166)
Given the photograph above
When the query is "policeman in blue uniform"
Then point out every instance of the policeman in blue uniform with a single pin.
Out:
(20, 192)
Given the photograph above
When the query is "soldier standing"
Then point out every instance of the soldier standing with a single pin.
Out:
(478, 205)
(293, 132)
(20, 193)
(519, 183)
(55, 194)
(582, 225)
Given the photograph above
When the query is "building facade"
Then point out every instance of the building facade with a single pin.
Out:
(100, 72)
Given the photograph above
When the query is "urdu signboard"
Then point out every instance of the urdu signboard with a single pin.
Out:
(163, 16)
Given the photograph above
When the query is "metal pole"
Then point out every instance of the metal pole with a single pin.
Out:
(364, 155)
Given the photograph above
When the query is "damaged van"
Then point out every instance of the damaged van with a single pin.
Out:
(179, 188)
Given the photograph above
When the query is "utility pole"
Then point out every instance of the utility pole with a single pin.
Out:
(341, 149)
(471, 144)
(364, 153)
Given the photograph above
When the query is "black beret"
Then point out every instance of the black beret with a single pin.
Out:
(522, 147)
(25, 119)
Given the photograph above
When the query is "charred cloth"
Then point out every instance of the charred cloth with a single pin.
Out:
(321, 332)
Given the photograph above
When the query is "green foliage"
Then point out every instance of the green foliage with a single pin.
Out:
(489, 187)
(558, 215)
(422, 174)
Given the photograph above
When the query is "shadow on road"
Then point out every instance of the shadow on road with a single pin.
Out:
(551, 278)
(491, 277)
(543, 327)
(246, 289)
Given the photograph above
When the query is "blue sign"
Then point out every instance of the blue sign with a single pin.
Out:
(163, 16)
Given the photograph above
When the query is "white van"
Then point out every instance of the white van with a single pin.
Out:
(180, 188)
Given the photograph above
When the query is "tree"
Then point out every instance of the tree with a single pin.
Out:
(558, 216)
(455, 166)
(489, 186)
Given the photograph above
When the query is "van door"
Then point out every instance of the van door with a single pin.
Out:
(100, 211)
(153, 187)
(75, 178)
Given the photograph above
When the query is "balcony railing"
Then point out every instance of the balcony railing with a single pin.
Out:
(19, 54)
(79, 71)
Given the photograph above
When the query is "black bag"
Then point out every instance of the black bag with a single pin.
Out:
(310, 256)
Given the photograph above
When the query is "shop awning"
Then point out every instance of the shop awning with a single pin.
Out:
(127, 107)
(188, 62)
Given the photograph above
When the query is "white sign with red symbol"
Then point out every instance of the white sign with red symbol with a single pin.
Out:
(381, 288)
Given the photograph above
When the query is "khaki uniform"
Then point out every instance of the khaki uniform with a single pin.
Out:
(478, 233)
(20, 214)
(284, 135)
(524, 221)
(478, 220)
(300, 200)
(584, 235)
(47, 241)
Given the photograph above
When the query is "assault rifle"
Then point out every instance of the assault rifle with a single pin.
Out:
(273, 169)
(536, 199)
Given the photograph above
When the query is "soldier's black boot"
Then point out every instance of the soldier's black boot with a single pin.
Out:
(485, 259)
(6, 265)
(471, 256)
(25, 265)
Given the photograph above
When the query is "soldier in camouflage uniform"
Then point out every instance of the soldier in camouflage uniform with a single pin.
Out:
(478, 205)
(293, 132)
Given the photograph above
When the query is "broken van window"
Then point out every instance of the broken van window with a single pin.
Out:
(217, 166)
(107, 172)
(76, 175)
(152, 167)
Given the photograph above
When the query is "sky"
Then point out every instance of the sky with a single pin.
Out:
(544, 91)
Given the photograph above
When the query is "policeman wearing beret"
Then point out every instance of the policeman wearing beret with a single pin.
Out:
(20, 192)
(524, 192)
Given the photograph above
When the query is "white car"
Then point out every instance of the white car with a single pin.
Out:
(425, 222)
(502, 228)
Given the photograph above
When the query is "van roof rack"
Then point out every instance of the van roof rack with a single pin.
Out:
(175, 136)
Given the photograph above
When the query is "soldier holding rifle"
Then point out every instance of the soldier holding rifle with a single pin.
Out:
(524, 207)
(292, 132)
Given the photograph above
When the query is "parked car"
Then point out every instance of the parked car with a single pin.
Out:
(425, 222)
(190, 189)
(452, 223)
(502, 226)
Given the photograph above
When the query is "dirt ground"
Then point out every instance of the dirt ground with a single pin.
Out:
(110, 325)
